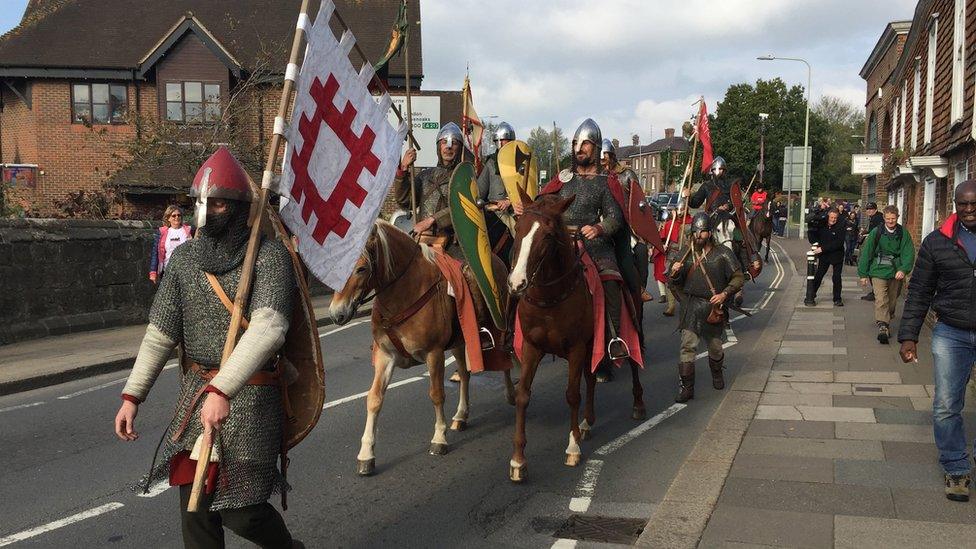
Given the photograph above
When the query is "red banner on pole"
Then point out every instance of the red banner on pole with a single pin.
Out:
(705, 137)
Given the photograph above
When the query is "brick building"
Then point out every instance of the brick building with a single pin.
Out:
(919, 111)
(651, 162)
(82, 78)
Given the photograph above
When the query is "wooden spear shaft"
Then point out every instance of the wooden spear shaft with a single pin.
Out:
(406, 70)
(250, 256)
(376, 79)
(684, 178)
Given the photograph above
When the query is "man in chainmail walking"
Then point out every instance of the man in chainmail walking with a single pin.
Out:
(240, 401)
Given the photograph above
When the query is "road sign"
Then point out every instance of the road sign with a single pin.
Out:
(426, 124)
(866, 164)
(793, 158)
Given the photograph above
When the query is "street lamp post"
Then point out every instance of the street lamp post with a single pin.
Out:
(806, 138)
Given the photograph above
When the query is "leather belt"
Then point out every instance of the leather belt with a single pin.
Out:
(262, 377)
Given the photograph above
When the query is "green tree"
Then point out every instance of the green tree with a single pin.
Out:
(541, 142)
(844, 121)
(735, 130)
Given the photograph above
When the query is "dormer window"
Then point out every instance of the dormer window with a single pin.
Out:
(98, 103)
(192, 102)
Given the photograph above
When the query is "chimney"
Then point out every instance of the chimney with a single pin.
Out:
(669, 133)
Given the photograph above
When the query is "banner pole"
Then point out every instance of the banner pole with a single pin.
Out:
(376, 79)
(406, 70)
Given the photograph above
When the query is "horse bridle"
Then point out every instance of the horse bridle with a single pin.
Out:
(372, 272)
(533, 281)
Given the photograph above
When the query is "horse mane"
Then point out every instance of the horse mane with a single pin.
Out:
(388, 235)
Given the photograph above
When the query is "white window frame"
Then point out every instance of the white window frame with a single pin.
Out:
(930, 77)
(904, 118)
(916, 91)
(958, 61)
(900, 202)
(894, 125)
(928, 207)
(960, 172)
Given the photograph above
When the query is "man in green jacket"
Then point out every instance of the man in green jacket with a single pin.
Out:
(887, 256)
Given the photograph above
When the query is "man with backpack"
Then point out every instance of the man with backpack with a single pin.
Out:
(887, 256)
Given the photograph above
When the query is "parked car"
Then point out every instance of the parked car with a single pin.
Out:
(663, 202)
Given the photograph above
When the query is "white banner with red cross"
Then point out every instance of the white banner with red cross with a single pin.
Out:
(341, 157)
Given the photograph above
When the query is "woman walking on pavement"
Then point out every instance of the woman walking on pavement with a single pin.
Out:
(173, 233)
(887, 256)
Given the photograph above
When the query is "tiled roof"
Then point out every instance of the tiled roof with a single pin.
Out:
(117, 34)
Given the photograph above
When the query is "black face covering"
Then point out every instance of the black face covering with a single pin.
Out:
(223, 240)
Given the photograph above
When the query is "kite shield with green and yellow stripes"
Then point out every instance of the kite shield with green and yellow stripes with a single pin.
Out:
(472, 233)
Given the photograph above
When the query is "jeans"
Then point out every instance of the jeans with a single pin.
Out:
(954, 350)
(778, 225)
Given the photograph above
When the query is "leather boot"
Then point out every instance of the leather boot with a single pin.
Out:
(718, 380)
(686, 373)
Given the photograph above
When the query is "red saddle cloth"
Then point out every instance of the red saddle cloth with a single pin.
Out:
(627, 328)
(477, 360)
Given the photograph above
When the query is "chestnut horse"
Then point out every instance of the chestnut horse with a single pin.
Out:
(556, 314)
(414, 321)
(761, 226)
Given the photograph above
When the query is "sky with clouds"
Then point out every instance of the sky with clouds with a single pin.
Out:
(635, 66)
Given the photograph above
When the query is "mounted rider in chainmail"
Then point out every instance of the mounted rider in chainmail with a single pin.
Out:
(188, 313)
(596, 216)
(430, 188)
(706, 270)
(722, 208)
(491, 190)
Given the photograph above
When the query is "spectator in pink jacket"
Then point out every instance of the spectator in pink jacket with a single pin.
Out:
(173, 233)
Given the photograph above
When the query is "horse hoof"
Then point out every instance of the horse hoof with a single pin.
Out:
(438, 449)
(366, 467)
(459, 425)
(516, 472)
(585, 434)
(639, 414)
(572, 460)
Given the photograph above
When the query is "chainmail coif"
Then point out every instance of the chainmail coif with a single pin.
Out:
(223, 240)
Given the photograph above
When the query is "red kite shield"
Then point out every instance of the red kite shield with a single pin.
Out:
(640, 215)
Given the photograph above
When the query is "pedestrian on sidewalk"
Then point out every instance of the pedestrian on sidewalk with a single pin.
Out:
(670, 236)
(944, 282)
(240, 400)
(853, 228)
(872, 218)
(707, 275)
(779, 216)
(829, 248)
(167, 238)
(887, 256)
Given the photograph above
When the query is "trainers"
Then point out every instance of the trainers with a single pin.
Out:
(957, 487)
(809, 303)
(839, 303)
(883, 334)
(869, 297)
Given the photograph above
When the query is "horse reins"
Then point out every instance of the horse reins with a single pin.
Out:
(575, 269)
(390, 323)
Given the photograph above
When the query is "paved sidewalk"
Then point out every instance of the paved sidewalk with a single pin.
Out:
(840, 452)
(53, 360)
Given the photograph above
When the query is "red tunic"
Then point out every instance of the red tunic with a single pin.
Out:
(668, 236)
